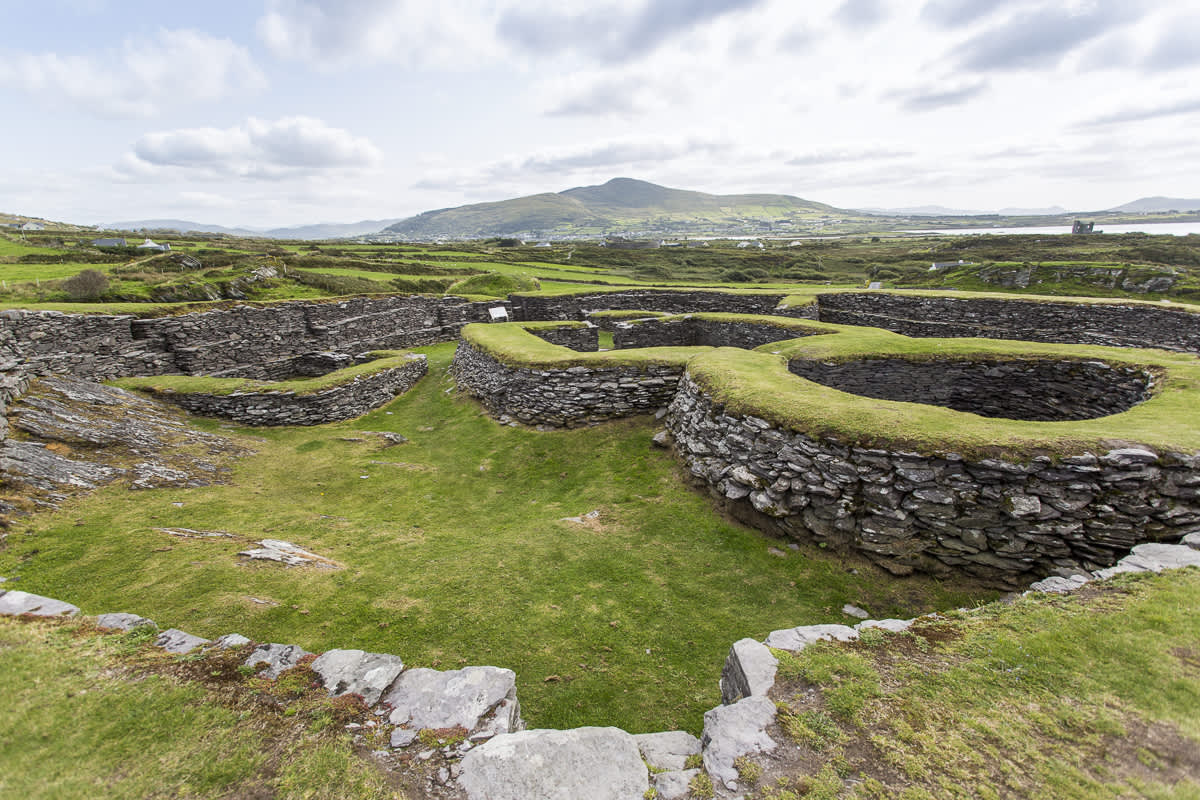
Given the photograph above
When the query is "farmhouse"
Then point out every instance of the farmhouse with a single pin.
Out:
(108, 243)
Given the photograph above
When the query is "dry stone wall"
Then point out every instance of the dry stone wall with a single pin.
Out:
(342, 401)
(581, 340)
(566, 397)
(1113, 324)
(244, 341)
(1035, 389)
(690, 331)
(527, 308)
(1004, 522)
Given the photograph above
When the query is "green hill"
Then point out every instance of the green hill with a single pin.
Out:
(622, 205)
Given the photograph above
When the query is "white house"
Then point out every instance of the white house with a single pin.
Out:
(33, 226)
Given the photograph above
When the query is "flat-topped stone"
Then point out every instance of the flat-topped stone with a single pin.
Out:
(733, 731)
(368, 675)
(179, 642)
(277, 657)
(231, 640)
(668, 750)
(428, 698)
(579, 764)
(121, 621)
(15, 603)
(796, 639)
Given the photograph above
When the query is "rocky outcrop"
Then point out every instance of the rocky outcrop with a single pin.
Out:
(71, 435)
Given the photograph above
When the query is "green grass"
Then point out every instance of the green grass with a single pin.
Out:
(758, 383)
(83, 720)
(11, 247)
(203, 384)
(1082, 697)
(455, 554)
(29, 273)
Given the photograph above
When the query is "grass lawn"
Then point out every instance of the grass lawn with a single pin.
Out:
(455, 552)
(1081, 697)
(90, 715)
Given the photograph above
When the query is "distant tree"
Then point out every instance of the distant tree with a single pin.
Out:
(87, 285)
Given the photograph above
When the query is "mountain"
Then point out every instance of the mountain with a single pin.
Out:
(327, 230)
(623, 205)
(1149, 205)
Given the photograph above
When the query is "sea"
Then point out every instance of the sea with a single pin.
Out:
(1170, 228)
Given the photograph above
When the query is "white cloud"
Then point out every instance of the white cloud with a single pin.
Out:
(346, 32)
(140, 77)
(258, 149)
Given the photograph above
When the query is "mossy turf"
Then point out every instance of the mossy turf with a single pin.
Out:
(203, 384)
(514, 343)
(89, 715)
(759, 384)
(1090, 696)
(455, 552)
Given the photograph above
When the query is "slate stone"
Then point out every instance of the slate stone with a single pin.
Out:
(796, 639)
(178, 642)
(1192, 540)
(231, 640)
(287, 553)
(403, 737)
(668, 750)
(736, 730)
(428, 698)
(674, 785)
(579, 764)
(278, 657)
(1157, 557)
(854, 611)
(1057, 584)
(14, 603)
(356, 672)
(749, 671)
(123, 622)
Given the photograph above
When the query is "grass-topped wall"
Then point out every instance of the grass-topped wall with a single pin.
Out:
(922, 486)
(338, 395)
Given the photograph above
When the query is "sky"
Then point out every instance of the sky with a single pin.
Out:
(287, 112)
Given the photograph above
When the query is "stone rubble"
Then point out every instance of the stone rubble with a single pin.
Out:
(286, 553)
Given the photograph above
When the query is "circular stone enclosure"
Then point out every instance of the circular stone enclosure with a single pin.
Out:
(1041, 389)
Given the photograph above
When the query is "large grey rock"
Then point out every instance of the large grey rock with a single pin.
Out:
(674, 785)
(749, 670)
(15, 602)
(427, 698)
(178, 642)
(736, 730)
(668, 750)
(796, 639)
(1192, 540)
(277, 657)
(356, 672)
(579, 764)
(123, 622)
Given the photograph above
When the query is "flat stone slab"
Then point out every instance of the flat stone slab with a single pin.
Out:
(1056, 584)
(1153, 557)
(231, 640)
(121, 621)
(796, 639)
(579, 764)
(179, 642)
(368, 675)
(14, 603)
(674, 785)
(428, 698)
(282, 552)
(1192, 540)
(736, 730)
(668, 750)
(749, 670)
(277, 657)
